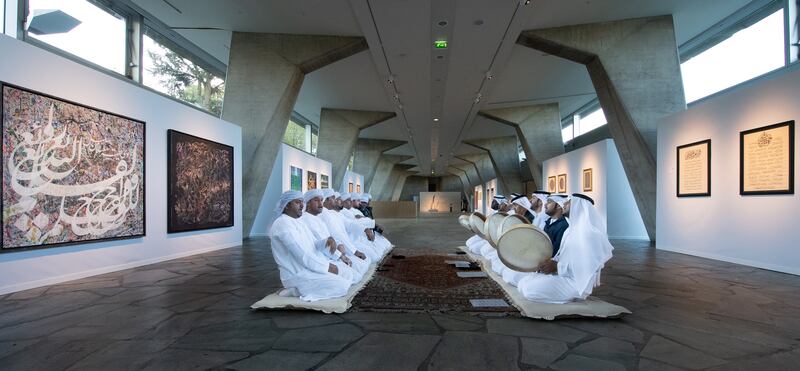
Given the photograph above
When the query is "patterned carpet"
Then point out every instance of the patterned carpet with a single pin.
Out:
(426, 284)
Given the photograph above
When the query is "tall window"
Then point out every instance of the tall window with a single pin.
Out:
(295, 135)
(749, 53)
(170, 73)
(2, 16)
(314, 140)
(567, 133)
(591, 121)
(79, 28)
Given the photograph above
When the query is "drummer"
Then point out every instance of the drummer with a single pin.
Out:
(522, 206)
(575, 271)
(538, 201)
(558, 223)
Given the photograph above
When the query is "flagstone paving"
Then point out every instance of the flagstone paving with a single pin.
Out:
(193, 313)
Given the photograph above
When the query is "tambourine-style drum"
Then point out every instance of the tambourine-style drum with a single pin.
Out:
(524, 247)
(492, 223)
(476, 221)
(464, 221)
(509, 222)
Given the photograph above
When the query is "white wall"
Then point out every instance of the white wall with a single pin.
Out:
(487, 198)
(39, 70)
(442, 203)
(280, 181)
(760, 231)
(610, 189)
(355, 178)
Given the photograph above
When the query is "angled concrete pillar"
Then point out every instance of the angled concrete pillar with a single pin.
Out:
(505, 159)
(368, 153)
(635, 70)
(462, 176)
(539, 131)
(482, 165)
(401, 176)
(382, 182)
(265, 73)
(338, 133)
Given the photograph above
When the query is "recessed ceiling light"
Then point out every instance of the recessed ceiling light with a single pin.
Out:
(439, 57)
(442, 23)
(478, 22)
(435, 119)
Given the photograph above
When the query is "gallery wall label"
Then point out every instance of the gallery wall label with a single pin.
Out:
(71, 173)
(694, 169)
(766, 160)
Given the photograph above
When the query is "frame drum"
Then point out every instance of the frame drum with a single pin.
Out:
(524, 247)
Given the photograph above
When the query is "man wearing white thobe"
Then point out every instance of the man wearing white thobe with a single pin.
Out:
(346, 230)
(304, 271)
(575, 271)
(540, 216)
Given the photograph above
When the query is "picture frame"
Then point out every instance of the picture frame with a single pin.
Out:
(311, 181)
(766, 160)
(693, 169)
(200, 183)
(296, 178)
(323, 181)
(562, 183)
(30, 222)
(358, 188)
(350, 187)
(551, 184)
(587, 180)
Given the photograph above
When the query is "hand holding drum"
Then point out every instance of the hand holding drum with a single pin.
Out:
(524, 247)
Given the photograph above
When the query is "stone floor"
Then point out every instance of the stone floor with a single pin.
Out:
(192, 313)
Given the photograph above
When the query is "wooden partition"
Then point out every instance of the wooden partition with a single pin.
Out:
(394, 209)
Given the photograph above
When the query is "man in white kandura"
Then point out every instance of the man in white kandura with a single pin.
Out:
(369, 237)
(311, 218)
(305, 271)
(537, 205)
(381, 241)
(575, 271)
(343, 228)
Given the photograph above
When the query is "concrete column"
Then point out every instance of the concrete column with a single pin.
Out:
(539, 131)
(338, 133)
(265, 73)
(368, 153)
(383, 180)
(505, 160)
(462, 175)
(635, 69)
(482, 165)
(400, 183)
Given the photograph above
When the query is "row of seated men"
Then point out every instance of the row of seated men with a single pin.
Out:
(323, 243)
(580, 247)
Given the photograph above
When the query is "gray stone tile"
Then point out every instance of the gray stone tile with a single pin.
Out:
(147, 277)
(393, 322)
(459, 350)
(180, 359)
(332, 338)
(299, 319)
(48, 325)
(278, 360)
(533, 328)
(613, 329)
(27, 294)
(540, 352)
(385, 352)
(672, 353)
(459, 323)
(51, 355)
(10, 347)
(581, 363)
(614, 350)
(127, 355)
(244, 336)
(782, 361)
(650, 365)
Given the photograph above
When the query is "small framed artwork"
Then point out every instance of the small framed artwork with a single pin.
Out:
(311, 182)
(562, 183)
(358, 188)
(694, 169)
(551, 184)
(587, 180)
(350, 187)
(323, 181)
(296, 178)
(766, 160)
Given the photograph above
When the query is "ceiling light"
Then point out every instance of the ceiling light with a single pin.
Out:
(527, 2)
(435, 119)
(442, 23)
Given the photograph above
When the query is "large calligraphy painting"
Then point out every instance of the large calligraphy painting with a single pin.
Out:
(200, 178)
(71, 173)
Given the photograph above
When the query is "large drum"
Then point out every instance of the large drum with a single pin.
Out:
(524, 247)
(492, 224)
(476, 221)
(464, 221)
(509, 222)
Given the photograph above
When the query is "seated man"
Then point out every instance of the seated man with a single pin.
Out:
(522, 206)
(304, 271)
(537, 205)
(575, 271)
(558, 223)
(316, 225)
(350, 202)
(346, 230)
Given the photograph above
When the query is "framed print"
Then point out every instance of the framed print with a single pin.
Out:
(587, 180)
(199, 183)
(350, 187)
(323, 181)
(694, 169)
(766, 160)
(358, 188)
(551, 184)
(71, 173)
(296, 178)
(311, 182)
(562, 183)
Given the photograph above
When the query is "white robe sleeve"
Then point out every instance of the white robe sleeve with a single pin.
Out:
(308, 259)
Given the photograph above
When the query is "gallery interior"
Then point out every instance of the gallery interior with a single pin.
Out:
(399, 185)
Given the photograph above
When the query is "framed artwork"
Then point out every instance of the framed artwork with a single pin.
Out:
(323, 181)
(358, 188)
(694, 169)
(766, 160)
(71, 173)
(311, 182)
(562, 183)
(350, 187)
(551, 184)
(587, 180)
(199, 183)
(296, 178)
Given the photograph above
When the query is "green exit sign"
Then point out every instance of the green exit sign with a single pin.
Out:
(440, 44)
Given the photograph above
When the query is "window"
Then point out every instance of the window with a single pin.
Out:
(167, 71)
(585, 124)
(567, 134)
(2, 16)
(314, 140)
(79, 28)
(295, 135)
(747, 54)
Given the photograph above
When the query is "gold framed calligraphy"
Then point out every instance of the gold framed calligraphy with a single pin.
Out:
(766, 160)
(587, 180)
(562, 183)
(551, 184)
(71, 173)
(199, 183)
(694, 169)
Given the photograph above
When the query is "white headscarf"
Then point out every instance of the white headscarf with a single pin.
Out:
(585, 247)
(327, 192)
(313, 193)
(337, 194)
(346, 196)
(541, 196)
(368, 196)
(364, 198)
(524, 202)
(286, 197)
(559, 199)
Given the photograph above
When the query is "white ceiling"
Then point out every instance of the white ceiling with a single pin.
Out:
(400, 33)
